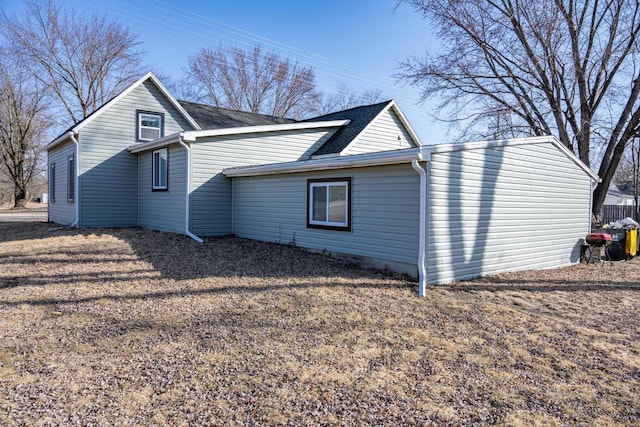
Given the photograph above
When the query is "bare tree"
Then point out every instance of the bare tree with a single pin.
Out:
(255, 81)
(84, 60)
(344, 98)
(23, 126)
(539, 67)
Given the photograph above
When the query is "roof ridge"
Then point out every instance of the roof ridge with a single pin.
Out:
(352, 108)
(230, 109)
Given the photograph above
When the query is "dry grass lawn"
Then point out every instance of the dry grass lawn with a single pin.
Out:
(135, 327)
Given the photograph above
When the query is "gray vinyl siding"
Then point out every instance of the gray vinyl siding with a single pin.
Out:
(61, 211)
(163, 210)
(385, 133)
(109, 173)
(211, 190)
(384, 222)
(511, 208)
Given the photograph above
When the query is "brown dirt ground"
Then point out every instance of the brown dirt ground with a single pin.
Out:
(136, 327)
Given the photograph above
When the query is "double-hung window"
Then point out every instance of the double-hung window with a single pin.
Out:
(160, 169)
(150, 125)
(71, 178)
(329, 203)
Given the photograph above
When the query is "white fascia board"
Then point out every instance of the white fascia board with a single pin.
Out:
(342, 162)
(193, 135)
(121, 95)
(479, 145)
(156, 143)
(407, 125)
(392, 105)
(325, 156)
(128, 90)
(173, 101)
(62, 138)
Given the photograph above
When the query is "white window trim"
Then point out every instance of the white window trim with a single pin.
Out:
(341, 182)
(140, 127)
(159, 185)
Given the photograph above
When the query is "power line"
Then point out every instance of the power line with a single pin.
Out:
(322, 66)
(184, 28)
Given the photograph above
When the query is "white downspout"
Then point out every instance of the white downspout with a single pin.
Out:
(187, 215)
(422, 247)
(76, 187)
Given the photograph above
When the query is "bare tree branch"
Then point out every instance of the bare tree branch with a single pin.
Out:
(561, 67)
(255, 81)
(85, 61)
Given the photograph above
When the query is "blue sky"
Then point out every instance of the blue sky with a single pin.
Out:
(355, 42)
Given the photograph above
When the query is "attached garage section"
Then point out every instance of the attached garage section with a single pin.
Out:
(488, 207)
(522, 205)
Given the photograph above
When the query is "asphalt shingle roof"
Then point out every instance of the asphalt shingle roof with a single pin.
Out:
(360, 117)
(209, 117)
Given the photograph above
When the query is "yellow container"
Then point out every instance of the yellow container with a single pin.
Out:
(631, 244)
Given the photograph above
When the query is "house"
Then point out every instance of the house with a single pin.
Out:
(619, 196)
(356, 183)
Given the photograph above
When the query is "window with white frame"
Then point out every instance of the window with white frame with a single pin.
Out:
(160, 169)
(150, 125)
(71, 178)
(52, 183)
(329, 203)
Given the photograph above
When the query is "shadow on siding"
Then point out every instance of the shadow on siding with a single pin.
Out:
(465, 266)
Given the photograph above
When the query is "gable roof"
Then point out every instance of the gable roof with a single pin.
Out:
(360, 118)
(210, 117)
(149, 76)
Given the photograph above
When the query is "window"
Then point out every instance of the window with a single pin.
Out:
(150, 125)
(52, 183)
(71, 178)
(329, 203)
(159, 169)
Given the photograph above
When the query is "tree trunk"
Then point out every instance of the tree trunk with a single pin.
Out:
(20, 197)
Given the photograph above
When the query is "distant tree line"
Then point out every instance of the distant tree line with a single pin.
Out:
(59, 67)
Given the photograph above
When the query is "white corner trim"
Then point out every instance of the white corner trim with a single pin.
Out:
(191, 136)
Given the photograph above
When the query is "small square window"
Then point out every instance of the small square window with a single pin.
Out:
(150, 126)
(160, 169)
(329, 204)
